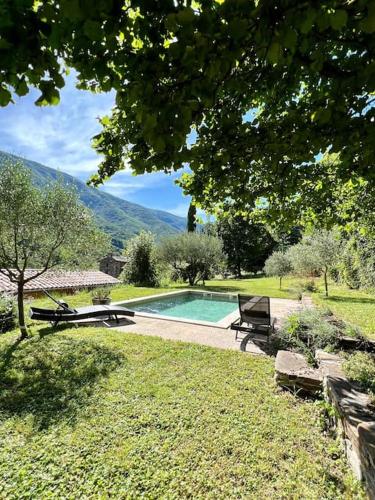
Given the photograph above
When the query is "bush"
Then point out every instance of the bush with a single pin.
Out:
(7, 312)
(360, 368)
(357, 263)
(101, 293)
(308, 330)
(142, 268)
(309, 286)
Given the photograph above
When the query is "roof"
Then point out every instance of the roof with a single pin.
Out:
(120, 258)
(117, 258)
(60, 280)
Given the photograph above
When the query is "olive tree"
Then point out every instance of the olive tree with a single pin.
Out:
(316, 253)
(194, 256)
(42, 228)
(278, 264)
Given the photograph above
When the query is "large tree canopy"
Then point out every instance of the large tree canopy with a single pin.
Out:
(267, 85)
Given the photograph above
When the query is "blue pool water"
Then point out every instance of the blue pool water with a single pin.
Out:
(194, 306)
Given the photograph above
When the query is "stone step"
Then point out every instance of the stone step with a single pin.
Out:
(292, 371)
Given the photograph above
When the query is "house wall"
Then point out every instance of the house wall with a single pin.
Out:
(111, 266)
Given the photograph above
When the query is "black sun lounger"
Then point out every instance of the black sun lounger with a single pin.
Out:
(67, 314)
(255, 316)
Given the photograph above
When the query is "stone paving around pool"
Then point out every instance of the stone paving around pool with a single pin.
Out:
(207, 335)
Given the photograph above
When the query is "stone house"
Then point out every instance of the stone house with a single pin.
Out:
(113, 264)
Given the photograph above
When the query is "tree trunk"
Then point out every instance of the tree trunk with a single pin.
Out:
(326, 281)
(21, 310)
(239, 275)
(280, 281)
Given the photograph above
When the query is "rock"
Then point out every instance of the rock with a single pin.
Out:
(329, 364)
(293, 371)
(355, 420)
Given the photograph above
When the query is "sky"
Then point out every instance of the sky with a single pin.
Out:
(60, 137)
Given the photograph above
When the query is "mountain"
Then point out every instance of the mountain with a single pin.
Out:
(119, 218)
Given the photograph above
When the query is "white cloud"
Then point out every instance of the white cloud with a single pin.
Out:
(56, 136)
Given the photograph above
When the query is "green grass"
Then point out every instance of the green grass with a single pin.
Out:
(96, 413)
(255, 286)
(353, 306)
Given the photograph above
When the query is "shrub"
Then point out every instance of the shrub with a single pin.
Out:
(360, 368)
(357, 263)
(101, 293)
(309, 286)
(7, 311)
(307, 330)
(7, 303)
(142, 268)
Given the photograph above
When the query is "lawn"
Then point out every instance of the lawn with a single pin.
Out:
(353, 306)
(255, 286)
(96, 413)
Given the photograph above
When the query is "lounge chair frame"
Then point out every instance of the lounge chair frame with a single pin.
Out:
(64, 313)
(255, 316)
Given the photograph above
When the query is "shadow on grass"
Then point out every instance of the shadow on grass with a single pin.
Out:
(52, 378)
(350, 300)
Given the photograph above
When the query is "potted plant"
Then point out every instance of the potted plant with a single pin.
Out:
(101, 296)
(7, 313)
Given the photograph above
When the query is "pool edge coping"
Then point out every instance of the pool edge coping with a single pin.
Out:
(223, 324)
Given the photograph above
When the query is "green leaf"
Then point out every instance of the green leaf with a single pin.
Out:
(4, 44)
(92, 30)
(308, 21)
(338, 19)
(185, 16)
(22, 88)
(158, 144)
(273, 53)
(5, 96)
(289, 39)
(50, 95)
(150, 122)
(368, 24)
(321, 116)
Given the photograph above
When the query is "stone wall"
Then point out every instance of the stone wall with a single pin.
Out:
(354, 418)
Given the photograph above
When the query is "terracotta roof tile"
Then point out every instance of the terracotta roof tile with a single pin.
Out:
(60, 280)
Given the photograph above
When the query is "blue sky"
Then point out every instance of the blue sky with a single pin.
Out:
(59, 137)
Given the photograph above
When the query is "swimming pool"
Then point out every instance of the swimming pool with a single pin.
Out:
(217, 309)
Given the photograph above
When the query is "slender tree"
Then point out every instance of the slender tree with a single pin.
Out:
(316, 253)
(278, 264)
(41, 229)
(191, 218)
